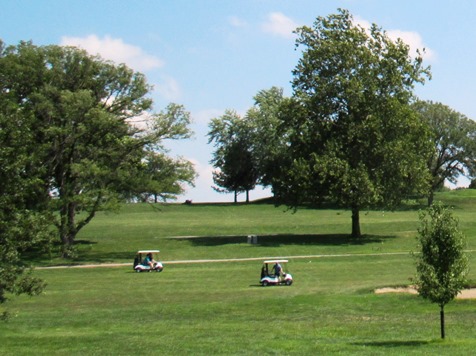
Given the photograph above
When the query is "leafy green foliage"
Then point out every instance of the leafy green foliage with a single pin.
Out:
(24, 222)
(472, 185)
(233, 157)
(161, 178)
(78, 111)
(249, 150)
(353, 138)
(267, 140)
(20, 231)
(453, 136)
(442, 265)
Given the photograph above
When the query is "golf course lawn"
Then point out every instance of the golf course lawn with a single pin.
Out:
(209, 308)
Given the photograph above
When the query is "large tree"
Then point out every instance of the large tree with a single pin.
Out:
(442, 265)
(24, 223)
(353, 137)
(267, 141)
(86, 150)
(248, 150)
(236, 169)
(162, 178)
(453, 136)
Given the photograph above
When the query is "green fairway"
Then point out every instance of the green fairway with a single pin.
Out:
(219, 307)
(220, 231)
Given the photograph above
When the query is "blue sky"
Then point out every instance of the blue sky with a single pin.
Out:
(213, 55)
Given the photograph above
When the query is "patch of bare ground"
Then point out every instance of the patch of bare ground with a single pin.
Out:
(464, 294)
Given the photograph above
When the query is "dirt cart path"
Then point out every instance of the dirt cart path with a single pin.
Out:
(465, 294)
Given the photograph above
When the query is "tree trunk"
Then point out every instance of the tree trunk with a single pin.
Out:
(67, 229)
(355, 222)
(63, 230)
(431, 196)
(442, 321)
(236, 196)
(247, 196)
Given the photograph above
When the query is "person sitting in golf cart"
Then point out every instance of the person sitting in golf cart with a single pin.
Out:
(149, 260)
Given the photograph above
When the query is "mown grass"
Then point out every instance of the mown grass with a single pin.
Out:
(219, 308)
(219, 231)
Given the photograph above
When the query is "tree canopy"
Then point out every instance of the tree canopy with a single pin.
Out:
(353, 137)
(453, 137)
(78, 110)
(233, 156)
(24, 222)
(267, 141)
(248, 149)
(442, 264)
(161, 178)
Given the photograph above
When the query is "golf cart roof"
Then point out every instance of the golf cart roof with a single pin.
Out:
(148, 251)
(276, 261)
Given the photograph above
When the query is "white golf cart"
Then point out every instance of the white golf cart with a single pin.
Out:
(147, 261)
(274, 272)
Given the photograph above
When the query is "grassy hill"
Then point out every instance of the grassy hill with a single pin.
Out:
(219, 308)
(220, 230)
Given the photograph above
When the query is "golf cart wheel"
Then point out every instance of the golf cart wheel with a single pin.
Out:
(264, 283)
(289, 282)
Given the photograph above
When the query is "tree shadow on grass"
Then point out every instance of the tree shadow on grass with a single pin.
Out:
(393, 343)
(90, 256)
(106, 257)
(85, 254)
(93, 256)
(287, 239)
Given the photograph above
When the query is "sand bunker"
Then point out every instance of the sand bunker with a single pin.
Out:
(464, 294)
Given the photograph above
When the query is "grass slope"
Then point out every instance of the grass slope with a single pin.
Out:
(219, 308)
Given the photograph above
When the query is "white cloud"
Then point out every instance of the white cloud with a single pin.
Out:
(202, 192)
(412, 39)
(205, 172)
(415, 41)
(140, 122)
(115, 49)
(235, 21)
(362, 22)
(204, 116)
(169, 88)
(280, 25)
